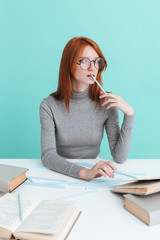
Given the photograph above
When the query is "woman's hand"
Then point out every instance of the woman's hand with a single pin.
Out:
(116, 101)
(102, 168)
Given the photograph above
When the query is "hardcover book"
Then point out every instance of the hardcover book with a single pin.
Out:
(11, 177)
(146, 208)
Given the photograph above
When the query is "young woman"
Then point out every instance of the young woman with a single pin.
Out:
(74, 117)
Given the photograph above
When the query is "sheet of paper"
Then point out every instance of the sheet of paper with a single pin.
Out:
(47, 217)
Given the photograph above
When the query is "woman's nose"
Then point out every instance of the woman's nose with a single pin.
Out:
(91, 67)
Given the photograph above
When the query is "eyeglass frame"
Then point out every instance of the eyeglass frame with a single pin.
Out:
(78, 63)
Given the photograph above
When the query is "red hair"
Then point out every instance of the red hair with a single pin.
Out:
(72, 51)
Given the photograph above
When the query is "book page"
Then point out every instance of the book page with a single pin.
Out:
(47, 217)
(10, 212)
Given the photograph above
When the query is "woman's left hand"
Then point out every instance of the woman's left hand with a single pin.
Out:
(117, 101)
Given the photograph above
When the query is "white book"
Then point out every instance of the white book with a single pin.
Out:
(43, 219)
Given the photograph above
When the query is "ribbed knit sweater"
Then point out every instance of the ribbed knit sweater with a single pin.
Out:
(78, 134)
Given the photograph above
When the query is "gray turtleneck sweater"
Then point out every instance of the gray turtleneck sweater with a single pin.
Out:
(78, 134)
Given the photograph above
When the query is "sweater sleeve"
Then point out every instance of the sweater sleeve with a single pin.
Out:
(119, 139)
(49, 156)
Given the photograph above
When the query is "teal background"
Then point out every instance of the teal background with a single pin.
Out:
(33, 34)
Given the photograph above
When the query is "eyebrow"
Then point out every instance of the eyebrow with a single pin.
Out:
(89, 58)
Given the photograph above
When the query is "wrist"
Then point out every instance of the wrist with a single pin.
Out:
(130, 112)
(83, 173)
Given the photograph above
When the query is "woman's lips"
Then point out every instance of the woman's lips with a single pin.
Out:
(90, 77)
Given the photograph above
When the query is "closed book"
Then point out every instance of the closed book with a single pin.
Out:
(146, 208)
(42, 219)
(143, 187)
(11, 177)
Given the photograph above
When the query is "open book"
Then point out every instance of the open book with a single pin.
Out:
(43, 219)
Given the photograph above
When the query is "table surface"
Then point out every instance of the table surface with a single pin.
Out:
(103, 214)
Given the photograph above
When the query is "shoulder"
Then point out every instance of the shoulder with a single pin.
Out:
(46, 103)
(51, 104)
(50, 101)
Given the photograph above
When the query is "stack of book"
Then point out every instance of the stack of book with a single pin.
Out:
(142, 199)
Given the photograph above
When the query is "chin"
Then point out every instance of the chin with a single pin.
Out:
(91, 82)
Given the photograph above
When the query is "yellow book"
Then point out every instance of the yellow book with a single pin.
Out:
(143, 187)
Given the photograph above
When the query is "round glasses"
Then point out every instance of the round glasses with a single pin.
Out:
(85, 63)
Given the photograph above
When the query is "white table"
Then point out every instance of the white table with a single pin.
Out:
(103, 214)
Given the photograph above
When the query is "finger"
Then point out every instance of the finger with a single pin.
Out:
(108, 94)
(111, 165)
(109, 100)
(112, 95)
(100, 162)
(102, 93)
(101, 172)
(108, 170)
(111, 105)
(105, 168)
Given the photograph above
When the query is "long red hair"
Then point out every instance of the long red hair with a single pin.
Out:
(72, 51)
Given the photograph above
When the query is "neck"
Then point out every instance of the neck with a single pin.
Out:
(80, 96)
(79, 87)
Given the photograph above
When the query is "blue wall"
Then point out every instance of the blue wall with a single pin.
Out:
(33, 34)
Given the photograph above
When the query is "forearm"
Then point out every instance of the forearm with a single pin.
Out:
(121, 149)
(53, 161)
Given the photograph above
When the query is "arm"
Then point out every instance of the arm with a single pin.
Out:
(49, 156)
(119, 139)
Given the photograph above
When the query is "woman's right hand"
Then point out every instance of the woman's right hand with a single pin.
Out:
(102, 168)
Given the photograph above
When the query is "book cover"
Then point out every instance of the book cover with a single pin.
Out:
(146, 208)
(11, 177)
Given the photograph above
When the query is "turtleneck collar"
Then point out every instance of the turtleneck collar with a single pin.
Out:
(80, 97)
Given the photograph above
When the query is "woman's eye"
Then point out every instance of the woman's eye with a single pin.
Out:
(83, 60)
(98, 61)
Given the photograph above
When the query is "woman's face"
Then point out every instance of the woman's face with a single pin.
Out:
(82, 78)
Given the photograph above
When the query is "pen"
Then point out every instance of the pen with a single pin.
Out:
(77, 195)
(125, 174)
(98, 83)
(20, 206)
(29, 179)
